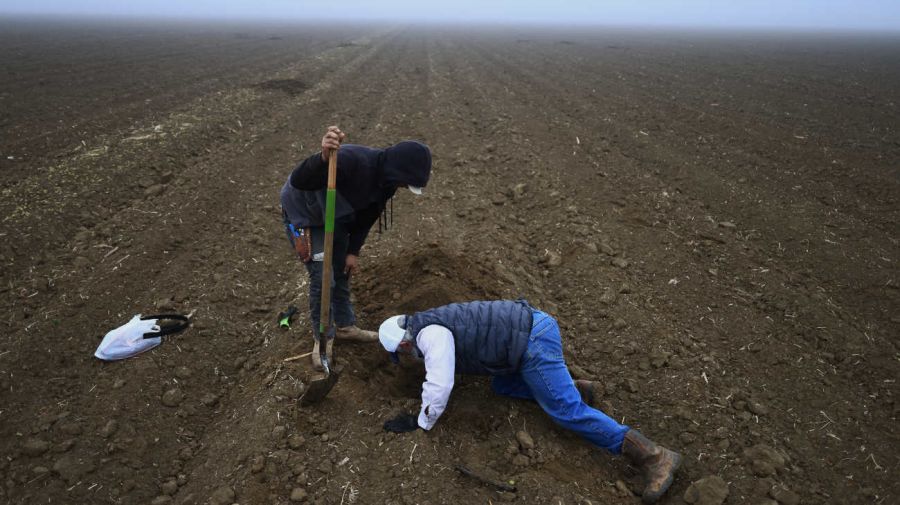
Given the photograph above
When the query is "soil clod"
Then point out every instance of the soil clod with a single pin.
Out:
(710, 490)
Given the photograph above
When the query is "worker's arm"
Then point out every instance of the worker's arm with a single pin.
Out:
(312, 173)
(437, 346)
(359, 230)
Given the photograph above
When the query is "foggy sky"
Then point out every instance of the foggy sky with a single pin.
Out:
(807, 14)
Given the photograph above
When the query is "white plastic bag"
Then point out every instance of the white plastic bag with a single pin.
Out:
(138, 335)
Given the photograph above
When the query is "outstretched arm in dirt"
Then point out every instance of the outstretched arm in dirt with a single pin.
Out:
(439, 350)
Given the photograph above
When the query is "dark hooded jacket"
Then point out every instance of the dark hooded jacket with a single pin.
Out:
(366, 179)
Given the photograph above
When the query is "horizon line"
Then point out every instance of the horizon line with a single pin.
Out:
(473, 23)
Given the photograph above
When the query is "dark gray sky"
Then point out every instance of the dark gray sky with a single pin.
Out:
(814, 14)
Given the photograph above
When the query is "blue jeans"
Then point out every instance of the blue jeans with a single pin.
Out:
(341, 307)
(544, 378)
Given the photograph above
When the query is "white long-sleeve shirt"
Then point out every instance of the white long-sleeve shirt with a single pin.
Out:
(439, 351)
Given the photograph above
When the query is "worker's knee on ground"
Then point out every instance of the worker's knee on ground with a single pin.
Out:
(563, 408)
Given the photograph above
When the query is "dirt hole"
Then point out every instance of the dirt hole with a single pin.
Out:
(406, 284)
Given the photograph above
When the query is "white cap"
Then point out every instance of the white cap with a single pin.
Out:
(390, 333)
(415, 189)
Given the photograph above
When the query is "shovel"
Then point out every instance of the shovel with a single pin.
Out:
(318, 388)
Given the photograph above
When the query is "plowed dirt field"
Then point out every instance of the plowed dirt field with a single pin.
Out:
(711, 217)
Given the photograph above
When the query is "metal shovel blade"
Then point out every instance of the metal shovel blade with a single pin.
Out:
(318, 388)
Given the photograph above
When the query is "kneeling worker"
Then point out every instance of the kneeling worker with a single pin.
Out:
(521, 348)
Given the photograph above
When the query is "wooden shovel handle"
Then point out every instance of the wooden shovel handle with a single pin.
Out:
(330, 198)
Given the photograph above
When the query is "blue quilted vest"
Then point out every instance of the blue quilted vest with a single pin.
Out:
(490, 337)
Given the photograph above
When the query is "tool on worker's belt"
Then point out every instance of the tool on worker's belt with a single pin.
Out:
(302, 239)
(284, 318)
(319, 388)
(501, 486)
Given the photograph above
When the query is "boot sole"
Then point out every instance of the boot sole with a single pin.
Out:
(653, 498)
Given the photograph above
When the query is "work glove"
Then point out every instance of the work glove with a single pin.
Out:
(284, 318)
(404, 423)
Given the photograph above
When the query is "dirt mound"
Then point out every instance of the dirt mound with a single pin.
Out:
(412, 280)
(408, 281)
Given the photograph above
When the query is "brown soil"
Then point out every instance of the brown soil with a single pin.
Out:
(712, 219)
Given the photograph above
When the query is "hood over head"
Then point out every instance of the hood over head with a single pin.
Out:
(407, 163)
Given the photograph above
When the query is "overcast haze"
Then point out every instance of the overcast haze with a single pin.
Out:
(808, 14)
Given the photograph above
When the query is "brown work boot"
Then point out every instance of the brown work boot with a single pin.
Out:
(317, 356)
(657, 463)
(589, 390)
(355, 334)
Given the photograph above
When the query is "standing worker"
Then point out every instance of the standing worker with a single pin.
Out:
(521, 348)
(366, 180)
